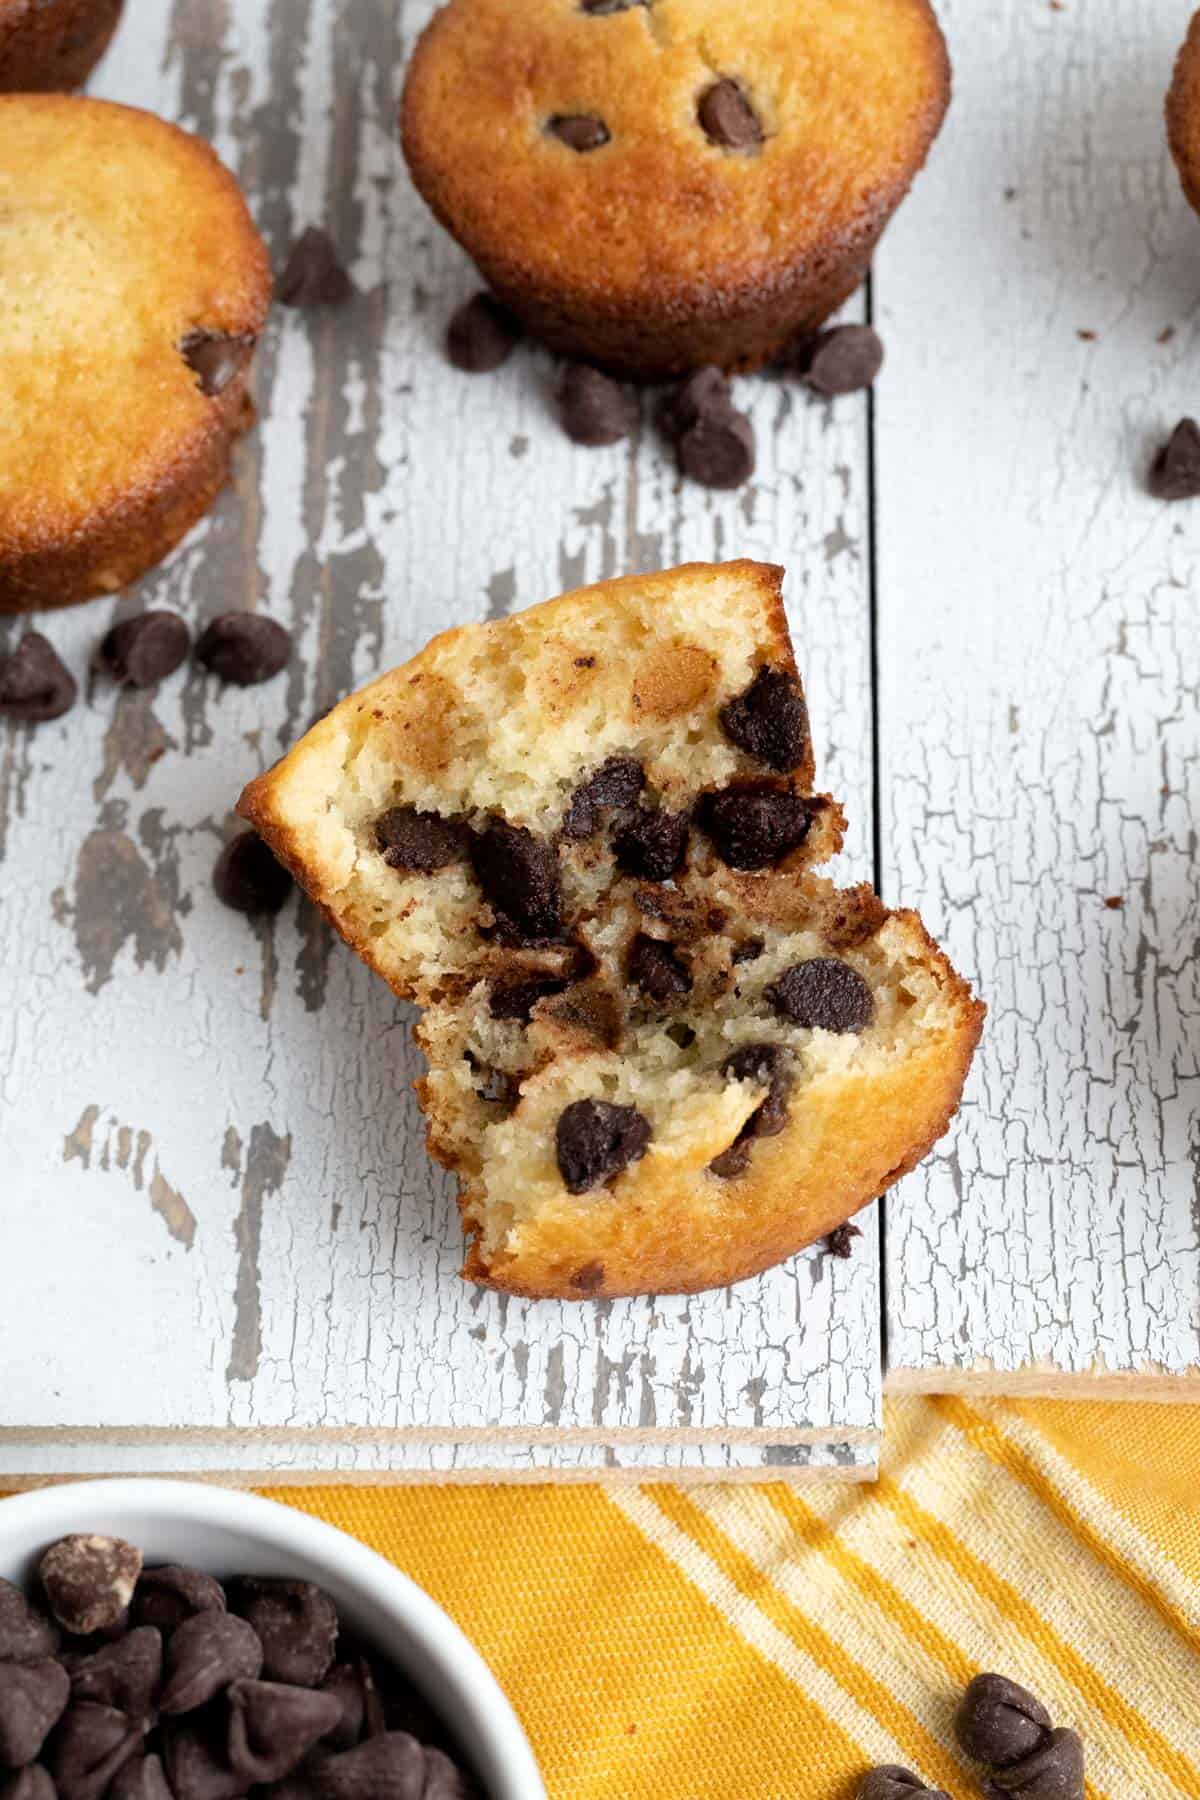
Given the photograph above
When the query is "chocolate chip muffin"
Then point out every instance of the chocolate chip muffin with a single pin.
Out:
(664, 1053)
(659, 185)
(44, 48)
(1183, 113)
(133, 286)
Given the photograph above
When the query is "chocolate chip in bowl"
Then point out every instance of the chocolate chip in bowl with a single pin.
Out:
(322, 1672)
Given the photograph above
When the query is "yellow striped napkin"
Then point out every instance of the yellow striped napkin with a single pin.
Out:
(770, 1643)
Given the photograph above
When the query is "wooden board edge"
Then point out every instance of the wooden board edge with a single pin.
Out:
(1035, 1382)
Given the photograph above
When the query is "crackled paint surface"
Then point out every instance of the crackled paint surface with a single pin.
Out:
(290, 1282)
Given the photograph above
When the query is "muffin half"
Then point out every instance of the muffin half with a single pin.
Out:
(52, 48)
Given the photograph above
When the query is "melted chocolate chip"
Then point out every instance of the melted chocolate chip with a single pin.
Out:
(313, 274)
(595, 1140)
(579, 131)
(420, 842)
(718, 449)
(216, 357)
(248, 878)
(481, 335)
(145, 650)
(494, 1087)
(602, 8)
(517, 999)
(823, 994)
(753, 825)
(999, 1722)
(732, 1162)
(35, 684)
(244, 648)
(590, 1013)
(769, 1064)
(654, 968)
(518, 873)
(1175, 472)
(769, 720)
(842, 360)
(594, 409)
(727, 118)
(589, 1279)
(705, 391)
(653, 845)
(617, 782)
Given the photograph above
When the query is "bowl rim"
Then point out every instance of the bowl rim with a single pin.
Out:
(489, 1716)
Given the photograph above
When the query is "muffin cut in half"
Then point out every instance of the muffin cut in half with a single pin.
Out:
(53, 48)
(133, 286)
(663, 1053)
(656, 185)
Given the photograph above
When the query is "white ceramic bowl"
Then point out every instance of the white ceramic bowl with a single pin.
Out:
(230, 1533)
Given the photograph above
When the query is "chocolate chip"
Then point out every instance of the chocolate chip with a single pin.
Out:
(590, 1013)
(141, 651)
(840, 1241)
(518, 873)
(392, 1767)
(89, 1581)
(749, 950)
(595, 1140)
(595, 410)
(617, 782)
(297, 1623)
(25, 1636)
(125, 1674)
(495, 1087)
(705, 390)
(753, 825)
(769, 720)
(90, 1744)
(890, 1782)
(141, 1778)
(653, 845)
(35, 684)
(313, 274)
(727, 118)
(353, 1686)
(31, 1783)
(420, 842)
(770, 1065)
(244, 648)
(216, 357)
(999, 1722)
(602, 8)
(1175, 472)
(272, 1726)
(823, 994)
(168, 1595)
(1054, 1771)
(517, 999)
(654, 968)
(578, 131)
(248, 877)
(481, 335)
(732, 1162)
(718, 450)
(197, 1767)
(842, 360)
(32, 1698)
(205, 1654)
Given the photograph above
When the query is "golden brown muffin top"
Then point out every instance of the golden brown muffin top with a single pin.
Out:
(848, 94)
(119, 235)
(1183, 113)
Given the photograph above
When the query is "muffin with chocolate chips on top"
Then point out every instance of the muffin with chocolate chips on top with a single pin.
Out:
(664, 1052)
(133, 287)
(658, 185)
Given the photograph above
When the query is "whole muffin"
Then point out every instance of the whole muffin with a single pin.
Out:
(133, 286)
(49, 45)
(1183, 113)
(654, 185)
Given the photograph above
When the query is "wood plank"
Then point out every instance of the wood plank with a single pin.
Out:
(212, 1125)
(1038, 653)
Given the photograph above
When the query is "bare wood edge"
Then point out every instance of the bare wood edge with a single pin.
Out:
(1039, 1381)
(434, 1436)
(608, 1478)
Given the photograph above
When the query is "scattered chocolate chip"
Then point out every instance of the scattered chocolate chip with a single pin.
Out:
(769, 720)
(124, 1674)
(481, 335)
(890, 1782)
(419, 842)
(718, 450)
(518, 873)
(732, 1162)
(617, 782)
(578, 131)
(770, 1065)
(704, 391)
(653, 845)
(33, 1696)
(594, 408)
(313, 274)
(595, 1140)
(840, 1241)
(823, 994)
(753, 825)
(216, 357)
(602, 8)
(842, 360)
(654, 968)
(749, 950)
(244, 648)
(35, 684)
(1054, 1771)
(197, 1766)
(248, 877)
(296, 1622)
(89, 1745)
(141, 651)
(205, 1654)
(33, 1783)
(25, 1636)
(89, 1581)
(999, 1722)
(727, 118)
(1175, 472)
(272, 1726)
(166, 1596)
(141, 1778)
(353, 1686)
(589, 1279)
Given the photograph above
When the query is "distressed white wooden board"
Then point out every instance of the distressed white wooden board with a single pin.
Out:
(217, 1201)
(1039, 658)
